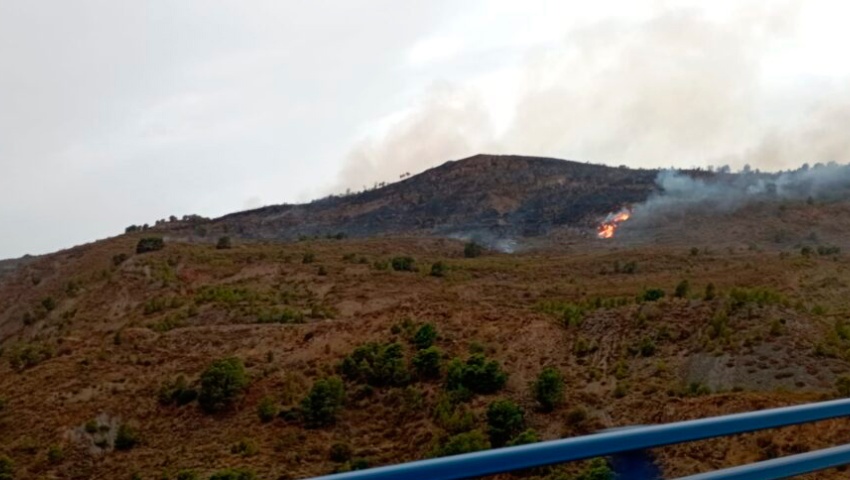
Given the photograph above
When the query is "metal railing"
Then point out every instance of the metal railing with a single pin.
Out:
(623, 440)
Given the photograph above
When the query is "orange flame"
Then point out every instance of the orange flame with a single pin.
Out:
(608, 226)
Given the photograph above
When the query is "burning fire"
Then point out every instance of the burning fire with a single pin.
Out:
(608, 226)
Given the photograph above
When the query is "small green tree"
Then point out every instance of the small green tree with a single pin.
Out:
(842, 384)
(462, 443)
(597, 470)
(267, 409)
(477, 375)
(526, 437)
(710, 292)
(472, 250)
(548, 389)
(188, 475)
(340, 452)
(7, 468)
(223, 243)
(425, 336)
(234, 474)
(403, 264)
(150, 244)
(221, 384)
(505, 419)
(126, 438)
(427, 362)
(438, 269)
(320, 406)
(652, 295)
(377, 364)
(683, 289)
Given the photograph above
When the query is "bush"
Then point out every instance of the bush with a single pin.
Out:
(119, 258)
(682, 289)
(267, 409)
(55, 454)
(652, 295)
(187, 475)
(505, 419)
(710, 292)
(234, 474)
(597, 470)
(403, 264)
(477, 375)
(340, 452)
(472, 250)
(473, 441)
(221, 383)
(548, 389)
(223, 243)
(320, 406)
(150, 244)
(425, 336)
(177, 392)
(308, 257)
(427, 362)
(438, 269)
(126, 438)
(27, 355)
(842, 384)
(526, 437)
(7, 468)
(376, 364)
(48, 303)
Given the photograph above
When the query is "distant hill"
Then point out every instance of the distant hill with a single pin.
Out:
(484, 195)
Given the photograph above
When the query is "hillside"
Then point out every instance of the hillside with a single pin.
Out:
(685, 313)
(485, 196)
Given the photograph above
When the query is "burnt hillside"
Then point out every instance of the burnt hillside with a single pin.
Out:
(480, 195)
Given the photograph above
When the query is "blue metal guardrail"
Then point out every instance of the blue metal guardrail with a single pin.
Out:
(611, 442)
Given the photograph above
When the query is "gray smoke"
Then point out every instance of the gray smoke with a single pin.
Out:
(679, 87)
(723, 192)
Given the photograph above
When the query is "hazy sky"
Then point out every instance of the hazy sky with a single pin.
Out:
(117, 112)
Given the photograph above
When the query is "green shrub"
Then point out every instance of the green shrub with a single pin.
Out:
(842, 384)
(244, 447)
(438, 269)
(234, 474)
(652, 295)
(150, 244)
(598, 469)
(683, 289)
(27, 355)
(359, 464)
(320, 406)
(376, 364)
(48, 303)
(187, 475)
(221, 384)
(710, 292)
(403, 264)
(177, 392)
(452, 416)
(55, 454)
(340, 452)
(126, 438)
(467, 442)
(308, 257)
(285, 315)
(647, 347)
(548, 389)
(526, 437)
(223, 243)
(267, 409)
(505, 420)
(427, 362)
(828, 250)
(425, 336)
(7, 468)
(472, 250)
(477, 375)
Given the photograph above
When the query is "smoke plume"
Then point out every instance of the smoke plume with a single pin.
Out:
(677, 88)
